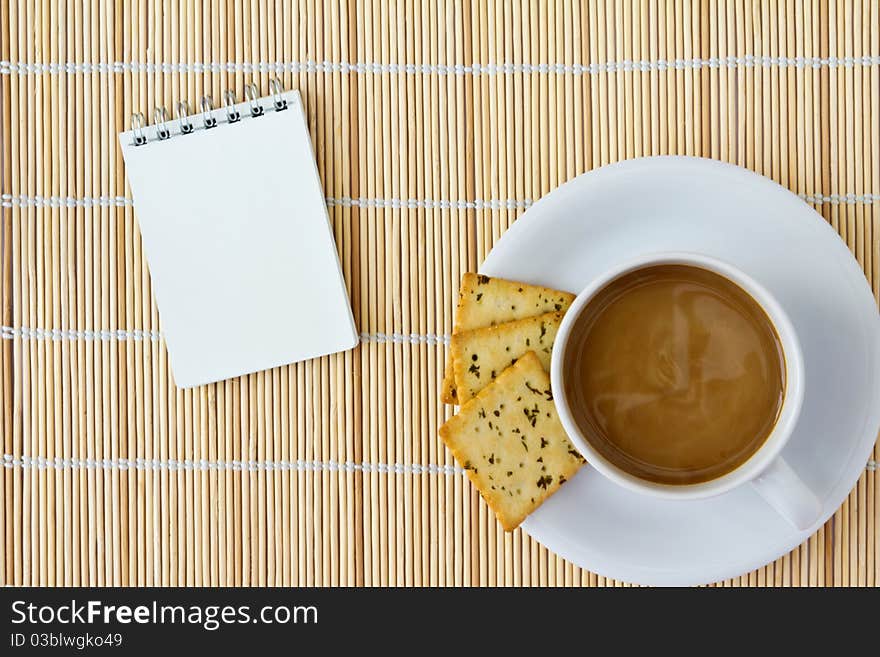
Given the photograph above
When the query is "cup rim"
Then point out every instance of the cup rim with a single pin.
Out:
(788, 413)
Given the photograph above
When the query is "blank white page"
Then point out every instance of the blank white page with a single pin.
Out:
(239, 246)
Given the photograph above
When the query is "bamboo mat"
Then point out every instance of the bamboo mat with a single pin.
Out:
(435, 126)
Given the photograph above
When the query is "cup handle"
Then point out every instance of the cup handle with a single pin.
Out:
(782, 489)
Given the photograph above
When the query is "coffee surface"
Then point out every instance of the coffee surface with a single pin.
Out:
(675, 374)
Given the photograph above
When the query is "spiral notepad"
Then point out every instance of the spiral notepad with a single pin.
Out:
(235, 230)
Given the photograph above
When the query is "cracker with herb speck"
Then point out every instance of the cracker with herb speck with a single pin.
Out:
(511, 444)
(481, 355)
(486, 301)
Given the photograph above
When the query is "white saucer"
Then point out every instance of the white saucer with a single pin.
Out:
(688, 204)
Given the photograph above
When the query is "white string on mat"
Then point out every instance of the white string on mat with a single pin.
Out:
(430, 204)
(22, 201)
(27, 333)
(405, 338)
(840, 199)
(171, 465)
(376, 68)
(203, 465)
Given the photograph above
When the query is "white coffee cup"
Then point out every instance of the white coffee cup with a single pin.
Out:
(765, 470)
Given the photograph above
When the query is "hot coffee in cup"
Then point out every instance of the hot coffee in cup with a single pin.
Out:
(678, 375)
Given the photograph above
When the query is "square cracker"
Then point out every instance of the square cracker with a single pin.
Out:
(511, 443)
(487, 301)
(479, 356)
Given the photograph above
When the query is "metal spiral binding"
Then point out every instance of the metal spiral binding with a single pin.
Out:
(137, 127)
(160, 119)
(280, 103)
(232, 115)
(250, 94)
(184, 121)
(207, 116)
